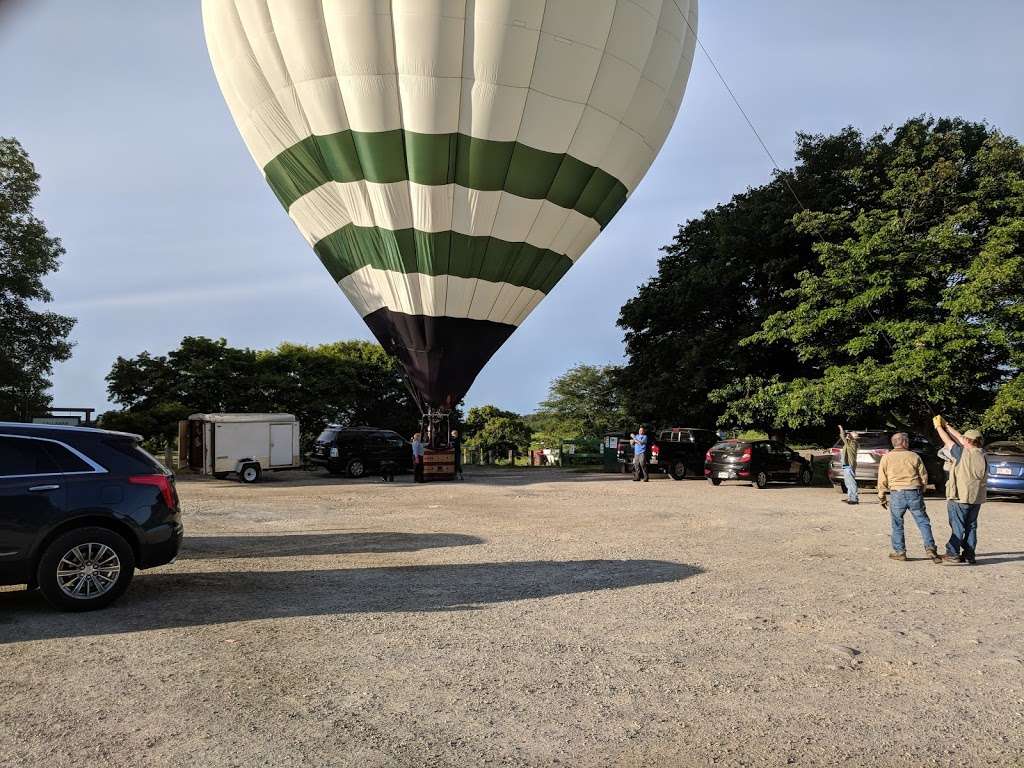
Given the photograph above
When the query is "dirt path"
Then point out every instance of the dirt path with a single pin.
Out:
(530, 618)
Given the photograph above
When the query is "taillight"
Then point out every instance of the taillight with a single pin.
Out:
(748, 452)
(835, 452)
(655, 450)
(163, 482)
(879, 451)
(707, 457)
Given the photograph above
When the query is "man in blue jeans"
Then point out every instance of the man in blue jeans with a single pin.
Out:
(848, 460)
(639, 441)
(965, 490)
(901, 473)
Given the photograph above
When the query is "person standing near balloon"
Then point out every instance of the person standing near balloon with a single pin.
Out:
(639, 443)
(456, 445)
(965, 490)
(417, 458)
(848, 459)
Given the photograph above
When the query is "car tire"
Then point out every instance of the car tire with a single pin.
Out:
(806, 477)
(761, 481)
(250, 473)
(678, 470)
(714, 481)
(356, 468)
(89, 557)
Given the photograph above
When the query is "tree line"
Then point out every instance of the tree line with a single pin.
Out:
(878, 282)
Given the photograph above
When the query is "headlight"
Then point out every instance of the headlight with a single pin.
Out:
(334, 453)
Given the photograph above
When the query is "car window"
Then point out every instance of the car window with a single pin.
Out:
(1005, 449)
(66, 460)
(25, 456)
(327, 436)
(374, 441)
(395, 442)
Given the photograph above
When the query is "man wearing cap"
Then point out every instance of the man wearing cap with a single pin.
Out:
(965, 490)
(901, 473)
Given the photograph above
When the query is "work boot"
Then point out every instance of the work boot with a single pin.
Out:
(934, 555)
(950, 559)
(901, 556)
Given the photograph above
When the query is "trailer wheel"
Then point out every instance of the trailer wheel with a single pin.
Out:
(250, 473)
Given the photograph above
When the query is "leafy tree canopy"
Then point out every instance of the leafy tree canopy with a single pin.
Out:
(585, 402)
(492, 430)
(913, 302)
(31, 340)
(349, 382)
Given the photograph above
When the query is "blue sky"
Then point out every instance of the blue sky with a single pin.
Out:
(170, 230)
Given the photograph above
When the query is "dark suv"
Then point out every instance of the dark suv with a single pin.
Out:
(358, 451)
(80, 510)
(872, 445)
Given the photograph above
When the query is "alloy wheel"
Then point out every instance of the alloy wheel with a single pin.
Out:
(88, 570)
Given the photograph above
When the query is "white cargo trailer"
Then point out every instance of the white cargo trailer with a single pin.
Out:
(247, 444)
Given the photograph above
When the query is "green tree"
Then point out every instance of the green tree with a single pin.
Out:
(501, 434)
(349, 382)
(914, 303)
(31, 341)
(722, 276)
(584, 402)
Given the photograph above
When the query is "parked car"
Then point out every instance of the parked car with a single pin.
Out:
(1005, 468)
(758, 462)
(680, 451)
(80, 510)
(872, 445)
(358, 451)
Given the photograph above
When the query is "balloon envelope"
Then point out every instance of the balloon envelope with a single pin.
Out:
(450, 160)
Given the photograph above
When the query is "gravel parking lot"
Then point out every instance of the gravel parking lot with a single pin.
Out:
(533, 618)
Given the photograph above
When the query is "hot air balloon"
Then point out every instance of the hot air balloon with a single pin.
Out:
(450, 160)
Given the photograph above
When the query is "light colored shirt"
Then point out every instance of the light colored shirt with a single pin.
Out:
(969, 476)
(901, 470)
(639, 444)
(417, 448)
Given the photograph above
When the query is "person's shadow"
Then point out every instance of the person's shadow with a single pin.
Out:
(997, 558)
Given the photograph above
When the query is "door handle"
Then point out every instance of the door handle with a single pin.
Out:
(36, 488)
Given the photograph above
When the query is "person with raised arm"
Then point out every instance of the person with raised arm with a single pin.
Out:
(965, 490)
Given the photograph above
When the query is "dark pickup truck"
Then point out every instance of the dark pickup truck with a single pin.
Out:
(678, 451)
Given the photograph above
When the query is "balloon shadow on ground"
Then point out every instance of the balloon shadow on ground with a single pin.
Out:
(323, 543)
(167, 600)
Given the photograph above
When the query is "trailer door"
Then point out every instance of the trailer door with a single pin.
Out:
(281, 445)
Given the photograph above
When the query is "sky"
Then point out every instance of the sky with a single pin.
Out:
(170, 230)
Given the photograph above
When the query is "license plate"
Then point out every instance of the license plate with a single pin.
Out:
(724, 474)
(1004, 471)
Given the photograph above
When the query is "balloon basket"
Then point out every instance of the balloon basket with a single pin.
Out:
(438, 464)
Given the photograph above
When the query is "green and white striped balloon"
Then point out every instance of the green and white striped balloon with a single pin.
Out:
(449, 160)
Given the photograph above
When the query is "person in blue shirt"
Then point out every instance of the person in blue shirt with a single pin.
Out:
(417, 458)
(639, 443)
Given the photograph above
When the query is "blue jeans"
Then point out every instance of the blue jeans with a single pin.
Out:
(850, 481)
(963, 522)
(899, 503)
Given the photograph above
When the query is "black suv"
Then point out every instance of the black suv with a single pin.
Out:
(757, 462)
(358, 451)
(80, 510)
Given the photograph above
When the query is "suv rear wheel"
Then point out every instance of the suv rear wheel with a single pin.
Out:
(356, 468)
(806, 476)
(761, 481)
(85, 569)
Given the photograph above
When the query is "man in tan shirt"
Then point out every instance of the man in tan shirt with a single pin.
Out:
(965, 490)
(902, 475)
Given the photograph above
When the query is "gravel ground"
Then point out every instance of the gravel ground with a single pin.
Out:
(529, 618)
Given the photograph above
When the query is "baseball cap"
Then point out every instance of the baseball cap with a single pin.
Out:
(972, 434)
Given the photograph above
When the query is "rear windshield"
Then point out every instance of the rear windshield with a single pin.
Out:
(730, 448)
(327, 436)
(869, 440)
(1005, 449)
(130, 458)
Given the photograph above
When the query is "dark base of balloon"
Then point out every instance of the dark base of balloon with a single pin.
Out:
(441, 355)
